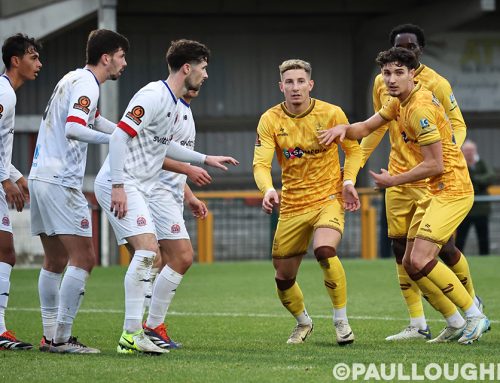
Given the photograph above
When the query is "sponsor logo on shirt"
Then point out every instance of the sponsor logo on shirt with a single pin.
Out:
(282, 133)
(83, 104)
(175, 228)
(1, 110)
(5, 221)
(293, 153)
(136, 114)
(189, 143)
(257, 140)
(11, 131)
(141, 221)
(163, 140)
(84, 223)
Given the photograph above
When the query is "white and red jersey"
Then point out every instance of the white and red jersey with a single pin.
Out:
(7, 120)
(184, 135)
(58, 159)
(150, 119)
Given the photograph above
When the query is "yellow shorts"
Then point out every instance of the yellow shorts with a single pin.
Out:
(401, 203)
(437, 220)
(293, 234)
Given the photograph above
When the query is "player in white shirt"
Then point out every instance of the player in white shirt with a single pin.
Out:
(59, 210)
(22, 63)
(129, 174)
(167, 207)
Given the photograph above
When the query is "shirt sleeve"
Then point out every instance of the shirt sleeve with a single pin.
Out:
(263, 156)
(423, 122)
(444, 94)
(103, 124)
(83, 102)
(140, 112)
(15, 174)
(352, 150)
(389, 111)
(7, 107)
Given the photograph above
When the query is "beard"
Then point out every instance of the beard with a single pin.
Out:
(191, 86)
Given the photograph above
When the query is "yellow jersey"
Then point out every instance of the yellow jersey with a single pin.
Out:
(399, 160)
(421, 120)
(310, 172)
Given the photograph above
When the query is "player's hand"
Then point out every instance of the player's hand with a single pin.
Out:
(22, 184)
(119, 202)
(383, 180)
(219, 161)
(198, 176)
(198, 208)
(13, 195)
(270, 200)
(351, 198)
(327, 137)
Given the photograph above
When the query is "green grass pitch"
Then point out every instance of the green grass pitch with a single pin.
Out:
(234, 328)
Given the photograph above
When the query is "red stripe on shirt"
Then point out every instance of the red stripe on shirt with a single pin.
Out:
(97, 113)
(127, 129)
(78, 120)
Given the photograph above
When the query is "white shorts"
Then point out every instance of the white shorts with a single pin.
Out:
(168, 215)
(57, 209)
(5, 224)
(138, 219)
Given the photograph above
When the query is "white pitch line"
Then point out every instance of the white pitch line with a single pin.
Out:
(233, 315)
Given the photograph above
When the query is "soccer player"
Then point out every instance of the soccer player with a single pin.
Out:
(401, 201)
(132, 169)
(314, 195)
(167, 206)
(59, 210)
(21, 57)
(427, 133)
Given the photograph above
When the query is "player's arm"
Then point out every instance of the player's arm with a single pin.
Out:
(179, 153)
(103, 124)
(198, 207)
(354, 131)
(20, 181)
(197, 175)
(82, 100)
(262, 163)
(444, 94)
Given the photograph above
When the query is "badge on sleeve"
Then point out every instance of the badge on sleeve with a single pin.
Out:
(136, 114)
(83, 104)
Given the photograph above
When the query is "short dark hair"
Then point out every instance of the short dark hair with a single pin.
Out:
(104, 41)
(186, 51)
(408, 28)
(398, 55)
(17, 46)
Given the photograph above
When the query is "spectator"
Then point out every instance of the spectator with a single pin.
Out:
(482, 176)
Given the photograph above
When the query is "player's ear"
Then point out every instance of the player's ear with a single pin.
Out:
(281, 86)
(311, 85)
(14, 61)
(186, 68)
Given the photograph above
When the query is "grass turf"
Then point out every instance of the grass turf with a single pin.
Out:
(234, 328)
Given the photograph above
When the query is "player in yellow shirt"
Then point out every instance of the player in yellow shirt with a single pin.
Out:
(401, 201)
(426, 132)
(314, 195)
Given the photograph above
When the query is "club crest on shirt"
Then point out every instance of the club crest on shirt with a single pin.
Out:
(5, 221)
(141, 221)
(136, 114)
(84, 224)
(176, 229)
(83, 104)
(1, 110)
(293, 153)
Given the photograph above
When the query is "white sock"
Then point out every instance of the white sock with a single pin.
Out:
(70, 298)
(304, 318)
(455, 320)
(136, 280)
(149, 288)
(163, 293)
(340, 314)
(48, 291)
(476, 301)
(5, 270)
(472, 311)
(419, 322)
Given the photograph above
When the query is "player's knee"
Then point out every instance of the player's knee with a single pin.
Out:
(399, 248)
(186, 259)
(449, 254)
(284, 284)
(323, 253)
(8, 255)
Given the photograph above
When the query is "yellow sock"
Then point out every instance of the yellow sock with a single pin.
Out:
(449, 284)
(461, 270)
(435, 297)
(335, 282)
(410, 292)
(292, 299)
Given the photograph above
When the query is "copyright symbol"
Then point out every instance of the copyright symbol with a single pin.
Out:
(341, 371)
